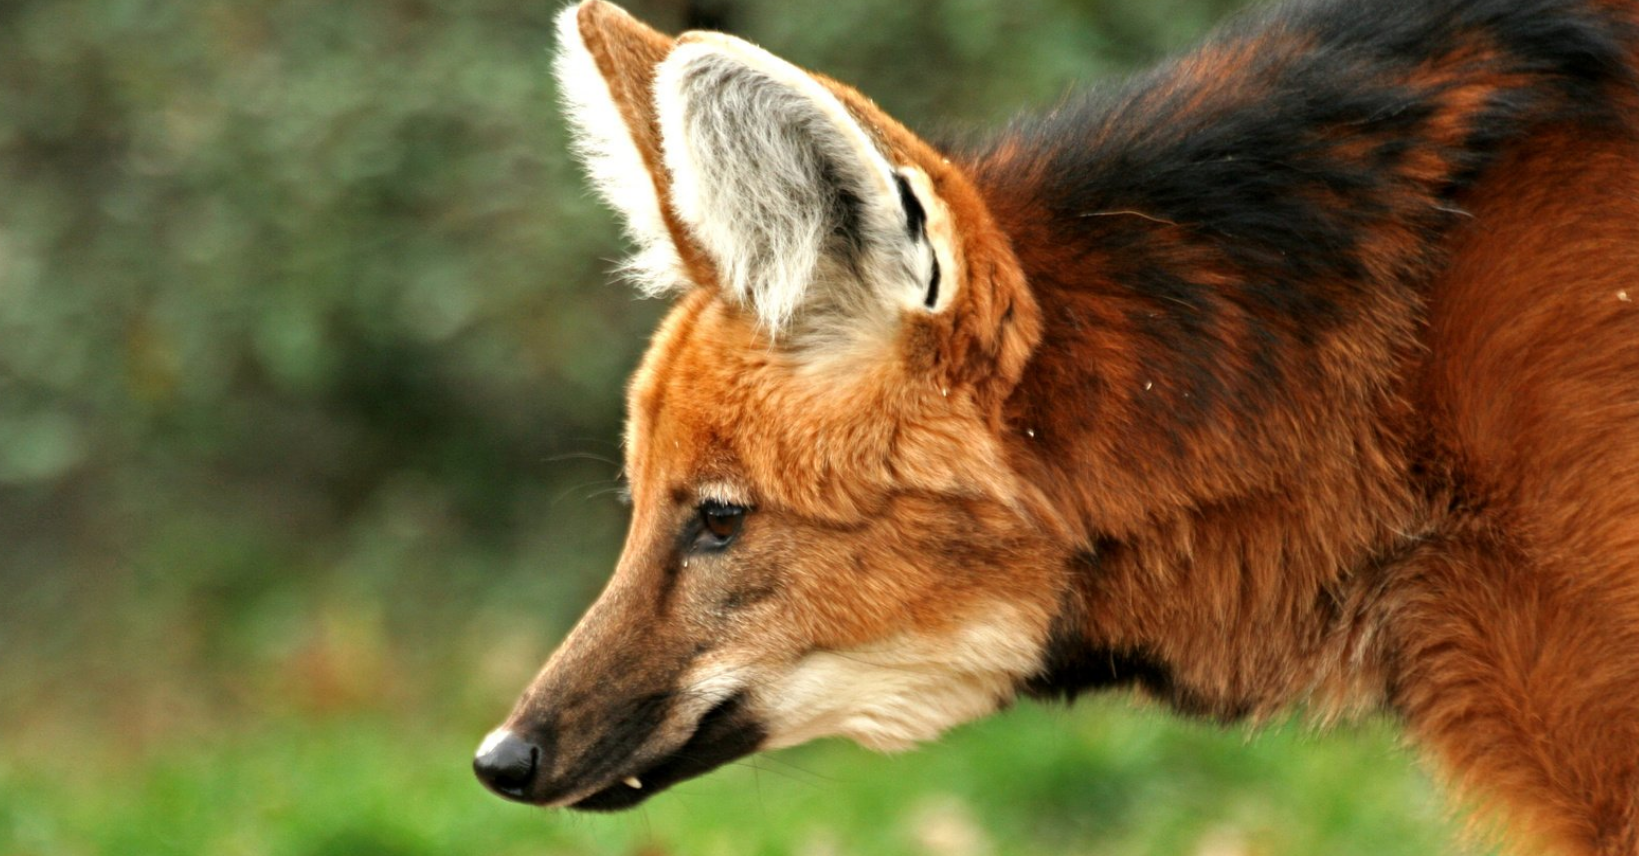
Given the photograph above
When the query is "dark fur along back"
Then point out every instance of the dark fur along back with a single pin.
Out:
(1298, 133)
(1210, 226)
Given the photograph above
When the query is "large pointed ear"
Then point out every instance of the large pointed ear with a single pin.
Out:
(805, 217)
(605, 68)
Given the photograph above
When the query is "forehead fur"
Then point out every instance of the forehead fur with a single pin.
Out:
(715, 402)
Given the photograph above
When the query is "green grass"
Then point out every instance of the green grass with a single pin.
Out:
(1100, 778)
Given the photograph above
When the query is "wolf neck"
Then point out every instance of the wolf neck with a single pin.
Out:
(1236, 473)
(1231, 259)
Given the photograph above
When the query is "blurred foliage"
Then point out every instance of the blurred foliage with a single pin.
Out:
(311, 362)
(304, 312)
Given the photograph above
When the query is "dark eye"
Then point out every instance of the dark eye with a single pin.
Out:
(720, 522)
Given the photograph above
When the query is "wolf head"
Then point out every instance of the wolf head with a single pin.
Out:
(827, 537)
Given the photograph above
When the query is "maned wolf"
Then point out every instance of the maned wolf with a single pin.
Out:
(1303, 368)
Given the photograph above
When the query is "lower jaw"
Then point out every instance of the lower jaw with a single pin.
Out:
(616, 797)
(724, 734)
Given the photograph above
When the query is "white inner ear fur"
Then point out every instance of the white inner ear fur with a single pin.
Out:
(788, 193)
(610, 156)
(889, 695)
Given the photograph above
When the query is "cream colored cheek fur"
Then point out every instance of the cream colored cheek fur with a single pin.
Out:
(892, 694)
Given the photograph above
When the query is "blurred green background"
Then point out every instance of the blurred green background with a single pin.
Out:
(310, 375)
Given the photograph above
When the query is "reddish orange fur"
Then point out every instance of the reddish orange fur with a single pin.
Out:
(1520, 629)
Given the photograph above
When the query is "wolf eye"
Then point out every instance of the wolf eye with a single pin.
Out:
(720, 522)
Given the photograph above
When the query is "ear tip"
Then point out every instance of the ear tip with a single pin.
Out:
(704, 37)
(591, 11)
(689, 47)
(569, 21)
(696, 45)
(590, 16)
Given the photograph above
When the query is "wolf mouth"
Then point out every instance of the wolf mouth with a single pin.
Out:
(725, 733)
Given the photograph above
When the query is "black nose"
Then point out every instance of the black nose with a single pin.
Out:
(506, 764)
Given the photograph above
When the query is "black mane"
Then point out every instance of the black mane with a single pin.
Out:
(1297, 170)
